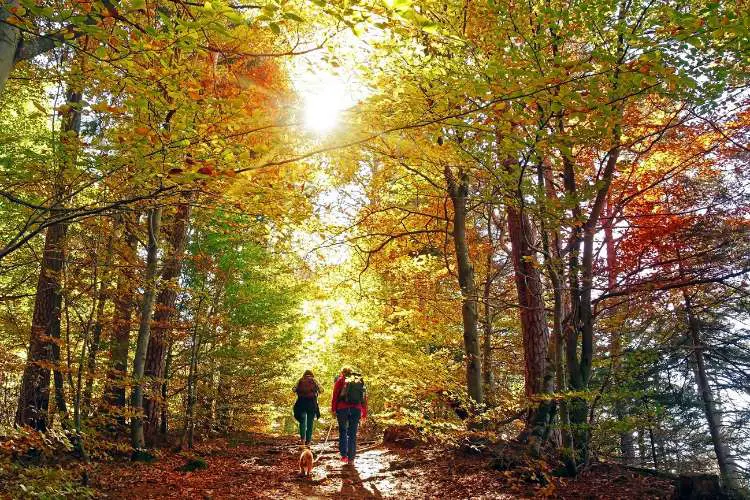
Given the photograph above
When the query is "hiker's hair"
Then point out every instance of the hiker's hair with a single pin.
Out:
(308, 372)
(347, 370)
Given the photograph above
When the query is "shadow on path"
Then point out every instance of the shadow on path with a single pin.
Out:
(352, 485)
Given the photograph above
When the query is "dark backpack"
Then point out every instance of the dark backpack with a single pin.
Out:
(353, 391)
(307, 388)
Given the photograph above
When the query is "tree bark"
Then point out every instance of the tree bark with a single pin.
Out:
(44, 344)
(537, 367)
(554, 265)
(10, 36)
(13, 47)
(537, 376)
(488, 375)
(727, 467)
(458, 192)
(627, 450)
(122, 321)
(189, 428)
(163, 422)
(164, 316)
(144, 329)
(224, 403)
(96, 335)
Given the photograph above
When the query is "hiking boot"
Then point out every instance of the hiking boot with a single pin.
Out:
(307, 443)
(344, 460)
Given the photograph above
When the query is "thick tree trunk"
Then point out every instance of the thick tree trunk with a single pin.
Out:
(538, 378)
(727, 467)
(44, 344)
(529, 289)
(10, 36)
(122, 322)
(144, 329)
(164, 316)
(537, 369)
(459, 192)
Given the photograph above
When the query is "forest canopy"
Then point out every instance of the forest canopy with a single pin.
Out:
(524, 219)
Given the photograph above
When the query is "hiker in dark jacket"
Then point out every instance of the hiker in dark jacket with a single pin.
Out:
(306, 408)
(349, 404)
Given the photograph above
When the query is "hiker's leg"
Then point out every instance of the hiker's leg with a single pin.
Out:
(353, 425)
(310, 416)
(341, 416)
(302, 425)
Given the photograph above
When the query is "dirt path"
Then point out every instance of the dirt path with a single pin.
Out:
(262, 469)
(266, 467)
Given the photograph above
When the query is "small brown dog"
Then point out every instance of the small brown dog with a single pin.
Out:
(306, 462)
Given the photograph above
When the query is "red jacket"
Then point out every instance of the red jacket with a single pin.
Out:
(341, 405)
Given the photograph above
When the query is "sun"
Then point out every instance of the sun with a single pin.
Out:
(325, 94)
(324, 97)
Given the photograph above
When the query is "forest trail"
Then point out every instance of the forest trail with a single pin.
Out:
(266, 467)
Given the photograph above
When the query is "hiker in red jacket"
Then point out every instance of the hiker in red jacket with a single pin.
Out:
(349, 404)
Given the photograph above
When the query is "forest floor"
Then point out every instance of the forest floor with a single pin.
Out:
(259, 466)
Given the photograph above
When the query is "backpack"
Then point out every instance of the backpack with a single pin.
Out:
(306, 387)
(354, 390)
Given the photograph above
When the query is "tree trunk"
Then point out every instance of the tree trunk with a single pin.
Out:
(9, 37)
(122, 322)
(579, 323)
(44, 344)
(488, 375)
(164, 316)
(627, 450)
(459, 192)
(163, 423)
(726, 466)
(537, 375)
(654, 457)
(554, 264)
(224, 404)
(144, 329)
(189, 429)
(96, 334)
(59, 380)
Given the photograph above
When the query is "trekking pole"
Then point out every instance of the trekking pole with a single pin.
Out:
(328, 434)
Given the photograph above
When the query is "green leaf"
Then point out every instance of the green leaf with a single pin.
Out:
(293, 17)
(275, 28)
(431, 28)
